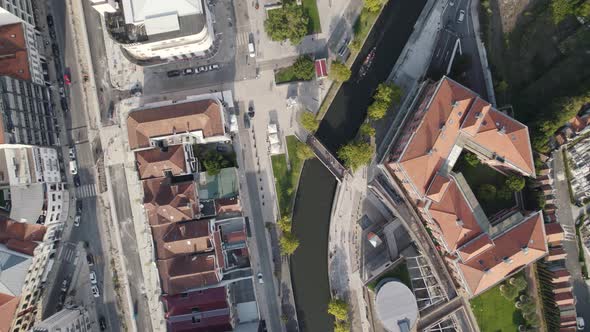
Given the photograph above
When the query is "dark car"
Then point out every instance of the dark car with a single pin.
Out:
(55, 50)
(78, 206)
(50, 20)
(90, 259)
(64, 104)
(103, 323)
(76, 180)
(173, 73)
(251, 111)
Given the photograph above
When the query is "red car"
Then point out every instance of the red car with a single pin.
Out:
(67, 79)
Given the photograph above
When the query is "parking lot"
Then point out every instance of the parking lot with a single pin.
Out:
(232, 35)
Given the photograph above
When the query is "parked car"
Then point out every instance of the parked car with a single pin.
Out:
(77, 220)
(72, 151)
(64, 285)
(251, 50)
(215, 66)
(251, 112)
(202, 69)
(95, 291)
(173, 73)
(92, 277)
(580, 323)
(73, 167)
(67, 78)
(103, 323)
(77, 180)
(260, 281)
(461, 16)
(90, 259)
(49, 20)
(188, 71)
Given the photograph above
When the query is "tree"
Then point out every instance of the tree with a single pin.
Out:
(373, 5)
(367, 130)
(560, 9)
(519, 283)
(339, 309)
(309, 122)
(341, 326)
(339, 71)
(214, 162)
(289, 22)
(284, 224)
(508, 291)
(487, 192)
(303, 68)
(288, 243)
(471, 159)
(515, 183)
(356, 154)
(303, 151)
(584, 9)
(355, 45)
(504, 193)
(377, 110)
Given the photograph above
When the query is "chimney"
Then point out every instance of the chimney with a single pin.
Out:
(478, 115)
(459, 222)
(454, 103)
(502, 130)
(507, 260)
(525, 249)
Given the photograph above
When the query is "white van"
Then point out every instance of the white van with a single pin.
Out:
(251, 49)
(73, 167)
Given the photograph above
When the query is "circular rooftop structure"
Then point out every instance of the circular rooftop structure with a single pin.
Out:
(396, 306)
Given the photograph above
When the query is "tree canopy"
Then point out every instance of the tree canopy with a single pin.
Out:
(287, 23)
(367, 130)
(303, 151)
(385, 95)
(341, 326)
(214, 162)
(339, 71)
(356, 154)
(487, 192)
(560, 9)
(471, 159)
(304, 68)
(288, 243)
(515, 183)
(309, 122)
(339, 309)
(373, 5)
(284, 224)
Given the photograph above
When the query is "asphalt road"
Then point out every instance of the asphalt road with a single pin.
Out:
(130, 249)
(564, 214)
(266, 296)
(90, 235)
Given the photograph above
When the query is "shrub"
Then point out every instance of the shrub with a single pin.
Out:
(284, 224)
(288, 243)
(214, 162)
(308, 121)
(304, 68)
(367, 130)
(339, 71)
(471, 159)
(515, 183)
(339, 309)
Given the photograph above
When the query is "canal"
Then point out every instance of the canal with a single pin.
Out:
(313, 202)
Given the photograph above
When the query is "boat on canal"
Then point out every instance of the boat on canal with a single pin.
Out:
(367, 64)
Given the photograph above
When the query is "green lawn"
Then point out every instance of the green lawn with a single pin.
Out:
(286, 180)
(311, 8)
(400, 273)
(285, 75)
(483, 174)
(495, 313)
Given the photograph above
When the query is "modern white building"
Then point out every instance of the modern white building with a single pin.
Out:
(168, 30)
(31, 190)
(104, 6)
(71, 320)
(22, 9)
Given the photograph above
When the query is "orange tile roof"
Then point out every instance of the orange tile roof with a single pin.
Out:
(228, 205)
(181, 273)
(8, 306)
(454, 217)
(166, 120)
(182, 238)
(438, 187)
(153, 162)
(507, 138)
(554, 232)
(10, 229)
(166, 202)
(475, 247)
(14, 59)
(489, 268)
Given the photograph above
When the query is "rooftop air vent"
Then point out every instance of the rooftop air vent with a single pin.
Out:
(525, 249)
(459, 222)
(502, 130)
(507, 260)
(478, 115)
(455, 103)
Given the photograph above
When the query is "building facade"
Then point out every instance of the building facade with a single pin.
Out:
(22, 9)
(71, 320)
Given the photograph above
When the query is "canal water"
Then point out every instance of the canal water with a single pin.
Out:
(313, 203)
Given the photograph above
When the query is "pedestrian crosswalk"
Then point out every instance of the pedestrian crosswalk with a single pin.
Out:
(68, 253)
(87, 190)
(242, 38)
(569, 233)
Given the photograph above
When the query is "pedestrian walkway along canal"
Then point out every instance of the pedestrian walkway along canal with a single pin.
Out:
(313, 203)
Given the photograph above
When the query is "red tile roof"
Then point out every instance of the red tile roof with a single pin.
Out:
(204, 115)
(203, 300)
(228, 205)
(182, 238)
(21, 237)
(14, 59)
(182, 273)
(153, 162)
(520, 246)
(165, 202)
(8, 306)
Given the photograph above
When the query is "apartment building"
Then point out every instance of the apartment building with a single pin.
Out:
(27, 113)
(68, 319)
(447, 118)
(169, 30)
(21, 9)
(195, 218)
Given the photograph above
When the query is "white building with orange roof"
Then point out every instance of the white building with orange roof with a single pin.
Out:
(481, 250)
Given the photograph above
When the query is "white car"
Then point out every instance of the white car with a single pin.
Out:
(461, 16)
(72, 153)
(251, 50)
(77, 220)
(580, 323)
(92, 277)
(260, 281)
(73, 167)
(95, 291)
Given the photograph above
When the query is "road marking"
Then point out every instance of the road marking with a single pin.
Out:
(87, 190)
(242, 38)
